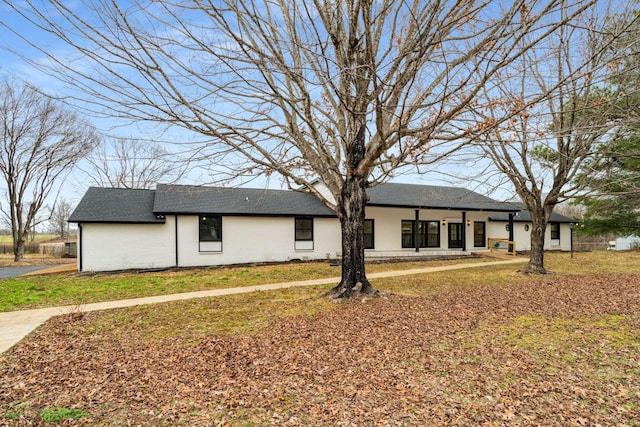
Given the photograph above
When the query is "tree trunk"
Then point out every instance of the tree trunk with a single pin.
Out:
(352, 213)
(18, 249)
(536, 259)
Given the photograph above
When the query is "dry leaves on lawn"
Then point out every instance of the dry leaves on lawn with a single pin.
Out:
(563, 352)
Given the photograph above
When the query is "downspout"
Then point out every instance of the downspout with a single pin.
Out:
(79, 248)
(176, 239)
(464, 231)
(416, 231)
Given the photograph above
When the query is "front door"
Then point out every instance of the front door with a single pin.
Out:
(455, 235)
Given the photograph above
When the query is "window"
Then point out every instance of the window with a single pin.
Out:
(479, 235)
(407, 234)
(210, 227)
(368, 234)
(432, 233)
(304, 233)
(555, 230)
(304, 229)
(428, 234)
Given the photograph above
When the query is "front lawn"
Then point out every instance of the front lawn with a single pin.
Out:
(484, 346)
(72, 289)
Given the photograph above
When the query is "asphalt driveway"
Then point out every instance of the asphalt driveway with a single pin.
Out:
(8, 272)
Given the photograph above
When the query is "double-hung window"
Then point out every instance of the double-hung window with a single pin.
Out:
(369, 241)
(479, 234)
(303, 234)
(555, 230)
(210, 237)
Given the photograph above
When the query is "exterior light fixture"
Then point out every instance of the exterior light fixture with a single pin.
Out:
(468, 223)
(444, 222)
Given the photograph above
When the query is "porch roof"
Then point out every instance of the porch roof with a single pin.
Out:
(434, 197)
(525, 216)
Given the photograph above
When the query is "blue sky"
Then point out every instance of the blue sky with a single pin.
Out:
(11, 64)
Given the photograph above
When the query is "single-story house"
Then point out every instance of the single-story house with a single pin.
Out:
(186, 226)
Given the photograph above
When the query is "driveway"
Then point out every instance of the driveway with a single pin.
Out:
(8, 272)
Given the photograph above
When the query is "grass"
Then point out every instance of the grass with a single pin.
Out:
(247, 313)
(557, 262)
(71, 289)
(191, 320)
(6, 260)
(27, 292)
(7, 239)
(586, 359)
(58, 415)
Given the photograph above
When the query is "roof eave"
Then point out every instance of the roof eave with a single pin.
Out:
(441, 208)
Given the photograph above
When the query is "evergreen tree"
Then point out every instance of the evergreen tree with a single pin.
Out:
(613, 177)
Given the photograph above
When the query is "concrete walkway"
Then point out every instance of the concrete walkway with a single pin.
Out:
(15, 325)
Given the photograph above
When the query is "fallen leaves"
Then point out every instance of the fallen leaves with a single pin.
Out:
(563, 352)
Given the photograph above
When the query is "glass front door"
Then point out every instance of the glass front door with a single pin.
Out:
(455, 235)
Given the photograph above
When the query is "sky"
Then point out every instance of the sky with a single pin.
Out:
(13, 48)
(15, 57)
(72, 189)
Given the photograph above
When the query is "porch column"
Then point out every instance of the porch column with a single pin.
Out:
(464, 231)
(510, 231)
(416, 231)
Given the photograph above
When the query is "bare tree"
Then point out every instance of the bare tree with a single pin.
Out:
(346, 92)
(131, 163)
(563, 114)
(41, 142)
(58, 217)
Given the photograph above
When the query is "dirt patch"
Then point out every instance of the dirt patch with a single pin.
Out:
(563, 352)
(61, 268)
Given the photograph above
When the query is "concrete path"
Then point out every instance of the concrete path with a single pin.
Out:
(15, 325)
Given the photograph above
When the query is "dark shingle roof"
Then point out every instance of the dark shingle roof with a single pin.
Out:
(433, 197)
(147, 206)
(186, 199)
(116, 205)
(525, 216)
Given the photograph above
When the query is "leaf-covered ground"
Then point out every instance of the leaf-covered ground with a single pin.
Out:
(561, 352)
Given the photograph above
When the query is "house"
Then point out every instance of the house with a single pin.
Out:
(624, 243)
(185, 226)
(557, 237)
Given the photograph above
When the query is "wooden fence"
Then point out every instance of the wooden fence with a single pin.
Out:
(56, 250)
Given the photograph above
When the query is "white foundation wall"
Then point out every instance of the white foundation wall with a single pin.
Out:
(256, 239)
(109, 247)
